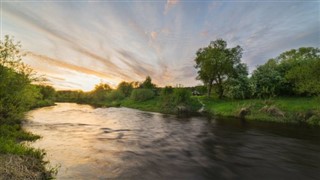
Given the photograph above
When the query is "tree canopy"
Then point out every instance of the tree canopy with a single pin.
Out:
(216, 63)
(147, 83)
(294, 72)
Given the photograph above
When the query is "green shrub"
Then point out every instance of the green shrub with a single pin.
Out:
(314, 120)
(168, 90)
(173, 99)
(140, 95)
(181, 96)
(115, 95)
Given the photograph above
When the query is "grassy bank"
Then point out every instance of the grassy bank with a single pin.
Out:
(153, 105)
(285, 110)
(18, 160)
(288, 110)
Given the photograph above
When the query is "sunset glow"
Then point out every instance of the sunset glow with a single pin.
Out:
(77, 44)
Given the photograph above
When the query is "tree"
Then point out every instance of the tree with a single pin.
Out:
(100, 91)
(267, 80)
(147, 84)
(216, 63)
(125, 88)
(301, 68)
(16, 91)
(47, 92)
(294, 72)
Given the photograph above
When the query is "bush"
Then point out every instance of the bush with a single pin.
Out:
(115, 95)
(140, 95)
(181, 96)
(172, 100)
(238, 88)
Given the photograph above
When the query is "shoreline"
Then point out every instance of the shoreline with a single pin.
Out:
(18, 159)
(290, 110)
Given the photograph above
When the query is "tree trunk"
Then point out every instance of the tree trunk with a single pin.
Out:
(209, 89)
(220, 91)
(220, 88)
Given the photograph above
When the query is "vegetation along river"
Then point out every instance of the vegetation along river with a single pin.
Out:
(122, 143)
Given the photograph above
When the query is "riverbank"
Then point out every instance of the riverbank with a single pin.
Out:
(302, 110)
(152, 105)
(286, 110)
(17, 159)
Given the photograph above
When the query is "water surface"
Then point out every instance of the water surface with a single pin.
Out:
(122, 143)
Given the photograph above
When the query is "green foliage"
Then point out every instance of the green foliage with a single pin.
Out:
(140, 95)
(115, 95)
(18, 95)
(267, 80)
(294, 72)
(16, 91)
(200, 89)
(314, 120)
(302, 69)
(73, 96)
(147, 84)
(171, 99)
(100, 91)
(261, 109)
(216, 63)
(47, 92)
(181, 96)
(126, 88)
(238, 88)
(168, 90)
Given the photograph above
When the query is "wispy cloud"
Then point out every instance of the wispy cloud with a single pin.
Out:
(79, 44)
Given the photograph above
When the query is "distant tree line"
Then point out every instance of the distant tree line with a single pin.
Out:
(169, 98)
(292, 73)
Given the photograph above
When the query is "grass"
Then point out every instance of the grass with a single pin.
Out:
(148, 105)
(43, 103)
(152, 105)
(17, 159)
(295, 110)
(287, 110)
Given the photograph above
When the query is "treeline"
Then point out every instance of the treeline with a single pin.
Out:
(292, 73)
(168, 99)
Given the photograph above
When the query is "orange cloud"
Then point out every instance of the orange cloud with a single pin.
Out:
(58, 63)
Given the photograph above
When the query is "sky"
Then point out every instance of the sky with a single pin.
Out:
(77, 44)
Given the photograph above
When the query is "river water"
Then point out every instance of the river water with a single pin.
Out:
(123, 143)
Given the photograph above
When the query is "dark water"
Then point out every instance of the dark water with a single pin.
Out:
(122, 143)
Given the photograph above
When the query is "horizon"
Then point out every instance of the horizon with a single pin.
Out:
(77, 45)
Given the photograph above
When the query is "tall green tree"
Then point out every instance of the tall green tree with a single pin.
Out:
(147, 83)
(216, 63)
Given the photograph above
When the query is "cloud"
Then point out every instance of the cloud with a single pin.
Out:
(77, 44)
(60, 63)
(154, 35)
(170, 4)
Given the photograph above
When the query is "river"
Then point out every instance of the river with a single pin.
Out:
(123, 143)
